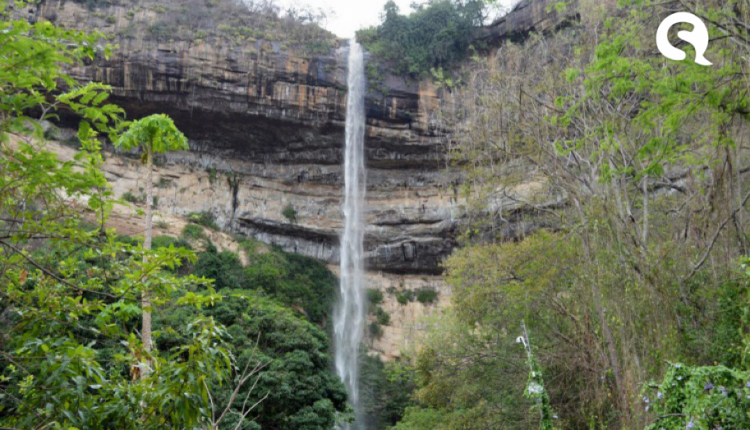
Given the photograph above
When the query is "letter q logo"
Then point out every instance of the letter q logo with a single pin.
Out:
(698, 38)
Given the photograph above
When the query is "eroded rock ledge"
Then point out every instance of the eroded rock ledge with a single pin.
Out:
(269, 126)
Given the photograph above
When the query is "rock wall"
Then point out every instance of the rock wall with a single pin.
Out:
(266, 130)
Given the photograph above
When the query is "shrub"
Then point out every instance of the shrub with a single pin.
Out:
(205, 218)
(52, 133)
(302, 391)
(250, 246)
(290, 213)
(164, 182)
(376, 331)
(374, 296)
(167, 241)
(295, 280)
(200, 34)
(224, 267)
(386, 390)
(212, 174)
(426, 295)
(111, 19)
(404, 297)
(382, 316)
(130, 197)
(161, 30)
(712, 397)
(193, 232)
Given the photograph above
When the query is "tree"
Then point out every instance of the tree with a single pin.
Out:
(295, 381)
(68, 350)
(637, 166)
(436, 35)
(154, 134)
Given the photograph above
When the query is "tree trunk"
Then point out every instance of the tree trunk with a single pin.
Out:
(145, 299)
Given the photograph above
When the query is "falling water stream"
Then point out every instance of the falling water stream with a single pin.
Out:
(349, 314)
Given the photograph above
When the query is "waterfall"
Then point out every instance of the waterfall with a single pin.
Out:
(349, 314)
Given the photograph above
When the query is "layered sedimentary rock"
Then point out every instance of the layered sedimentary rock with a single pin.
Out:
(266, 130)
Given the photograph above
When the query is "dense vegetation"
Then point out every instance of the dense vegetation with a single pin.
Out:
(233, 352)
(622, 303)
(241, 22)
(297, 281)
(628, 172)
(436, 35)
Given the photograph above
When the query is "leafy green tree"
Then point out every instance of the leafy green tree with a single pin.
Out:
(387, 389)
(295, 280)
(223, 267)
(68, 292)
(295, 382)
(436, 35)
(636, 162)
(154, 134)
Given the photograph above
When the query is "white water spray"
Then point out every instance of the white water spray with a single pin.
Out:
(349, 315)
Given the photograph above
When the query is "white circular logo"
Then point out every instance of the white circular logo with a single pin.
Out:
(698, 38)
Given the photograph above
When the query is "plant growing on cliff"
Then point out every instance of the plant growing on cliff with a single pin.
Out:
(427, 295)
(290, 213)
(374, 296)
(436, 35)
(205, 218)
(154, 134)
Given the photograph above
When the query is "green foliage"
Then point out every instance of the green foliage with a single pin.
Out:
(386, 390)
(302, 391)
(437, 34)
(156, 133)
(205, 218)
(701, 398)
(427, 295)
(535, 388)
(167, 241)
(404, 297)
(290, 213)
(69, 346)
(223, 267)
(637, 273)
(213, 174)
(70, 294)
(374, 296)
(131, 198)
(164, 182)
(161, 30)
(382, 316)
(293, 279)
(375, 330)
(193, 232)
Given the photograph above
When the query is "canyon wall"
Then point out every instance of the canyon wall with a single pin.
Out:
(266, 130)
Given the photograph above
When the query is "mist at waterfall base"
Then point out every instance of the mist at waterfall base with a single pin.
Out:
(349, 313)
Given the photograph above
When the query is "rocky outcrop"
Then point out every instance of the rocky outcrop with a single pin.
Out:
(266, 130)
(273, 122)
(530, 16)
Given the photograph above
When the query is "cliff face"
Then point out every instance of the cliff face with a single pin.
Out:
(266, 129)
